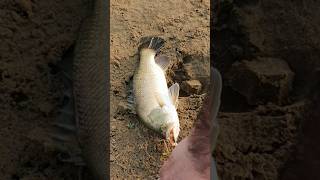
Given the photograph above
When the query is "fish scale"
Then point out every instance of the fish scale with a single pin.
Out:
(91, 92)
(155, 102)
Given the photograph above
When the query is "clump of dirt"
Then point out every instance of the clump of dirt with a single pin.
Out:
(34, 35)
(136, 151)
(261, 137)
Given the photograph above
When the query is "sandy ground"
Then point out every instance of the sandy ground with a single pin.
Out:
(136, 151)
(34, 36)
(268, 140)
(257, 141)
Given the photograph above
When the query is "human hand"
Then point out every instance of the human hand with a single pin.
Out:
(192, 159)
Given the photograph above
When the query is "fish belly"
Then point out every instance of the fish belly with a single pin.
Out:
(148, 84)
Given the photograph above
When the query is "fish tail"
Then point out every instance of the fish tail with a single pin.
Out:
(152, 42)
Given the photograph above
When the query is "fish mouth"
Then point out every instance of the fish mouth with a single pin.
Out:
(171, 138)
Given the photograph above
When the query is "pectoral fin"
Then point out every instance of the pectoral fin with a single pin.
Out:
(157, 116)
(174, 94)
(163, 62)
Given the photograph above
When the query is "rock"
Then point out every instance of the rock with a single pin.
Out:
(122, 107)
(191, 86)
(116, 63)
(26, 6)
(262, 80)
(197, 67)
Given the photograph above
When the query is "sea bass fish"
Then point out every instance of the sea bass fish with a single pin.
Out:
(156, 104)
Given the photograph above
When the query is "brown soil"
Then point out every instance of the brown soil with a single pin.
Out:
(136, 151)
(34, 35)
(269, 141)
(264, 141)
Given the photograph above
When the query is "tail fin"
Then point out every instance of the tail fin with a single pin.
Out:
(152, 42)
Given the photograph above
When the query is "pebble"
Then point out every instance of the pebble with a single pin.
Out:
(191, 86)
(262, 80)
(197, 68)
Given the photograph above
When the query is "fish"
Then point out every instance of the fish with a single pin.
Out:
(82, 128)
(155, 103)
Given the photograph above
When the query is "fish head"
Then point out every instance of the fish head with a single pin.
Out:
(172, 129)
(173, 135)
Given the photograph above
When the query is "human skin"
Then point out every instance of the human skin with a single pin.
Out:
(191, 159)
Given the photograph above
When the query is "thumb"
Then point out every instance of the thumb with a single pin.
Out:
(216, 81)
(206, 128)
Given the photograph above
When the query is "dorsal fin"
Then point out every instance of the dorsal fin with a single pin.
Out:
(163, 62)
(174, 94)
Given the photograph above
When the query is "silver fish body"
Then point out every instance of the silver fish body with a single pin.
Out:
(149, 80)
(155, 102)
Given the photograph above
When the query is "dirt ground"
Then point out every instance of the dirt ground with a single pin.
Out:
(263, 140)
(268, 140)
(136, 151)
(34, 36)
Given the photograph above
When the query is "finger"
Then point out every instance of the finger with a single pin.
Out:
(216, 82)
(205, 130)
(207, 116)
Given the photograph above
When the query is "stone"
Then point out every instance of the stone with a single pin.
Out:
(262, 80)
(122, 107)
(116, 63)
(197, 68)
(26, 6)
(191, 86)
